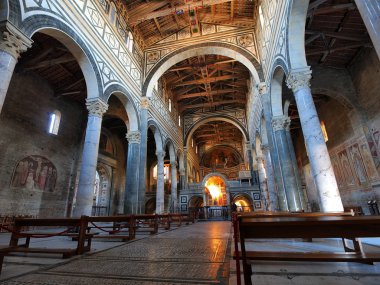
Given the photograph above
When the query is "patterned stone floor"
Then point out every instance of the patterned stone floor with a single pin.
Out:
(195, 254)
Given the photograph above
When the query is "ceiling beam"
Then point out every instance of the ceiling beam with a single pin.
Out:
(210, 104)
(319, 51)
(51, 62)
(336, 35)
(205, 94)
(208, 80)
(333, 9)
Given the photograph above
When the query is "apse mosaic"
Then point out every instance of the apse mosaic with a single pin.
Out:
(221, 157)
(35, 172)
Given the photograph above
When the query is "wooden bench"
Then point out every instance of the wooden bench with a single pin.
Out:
(188, 218)
(146, 223)
(122, 227)
(318, 226)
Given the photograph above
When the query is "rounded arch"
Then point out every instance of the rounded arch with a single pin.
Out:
(152, 125)
(211, 149)
(243, 202)
(126, 99)
(68, 37)
(172, 153)
(196, 201)
(220, 175)
(205, 120)
(338, 96)
(296, 33)
(224, 49)
(276, 91)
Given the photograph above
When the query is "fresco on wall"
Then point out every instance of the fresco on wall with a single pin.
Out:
(357, 163)
(374, 146)
(346, 168)
(337, 171)
(221, 157)
(35, 173)
(368, 161)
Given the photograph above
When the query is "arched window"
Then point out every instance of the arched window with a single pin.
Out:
(170, 105)
(130, 42)
(55, 119)
(112, 15)
(179, 120)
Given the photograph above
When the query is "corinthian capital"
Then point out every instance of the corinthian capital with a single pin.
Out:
(299, 79)
(160, 155)
(263, 88)
(144, 103)
(280, 123)
(96, 107)
(134, 137)
(13, 41)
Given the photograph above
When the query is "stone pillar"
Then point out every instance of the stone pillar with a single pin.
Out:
(250, 161)
(280, 125)
(143, 153)
(186, 180)
(96, 108)
(273, 148)
(370, 11)
(296, 170)
(131, 196)
(173, 173)
(12, 44)
(160, 193)
(322, 171)
(182, 178)
(271, 185)
(263, 183)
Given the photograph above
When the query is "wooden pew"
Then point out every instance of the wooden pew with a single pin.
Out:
(351, 227)
(123, 227)
(146, 223)
(176, 218)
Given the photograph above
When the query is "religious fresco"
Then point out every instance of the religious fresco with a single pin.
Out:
(35, 173)
(221, 157)
(357, 163)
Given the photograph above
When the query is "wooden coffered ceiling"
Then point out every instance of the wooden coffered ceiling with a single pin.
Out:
(154, 20)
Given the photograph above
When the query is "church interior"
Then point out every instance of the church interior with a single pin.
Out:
(170, 119)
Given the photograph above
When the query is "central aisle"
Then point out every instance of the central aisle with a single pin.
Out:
(194, 254)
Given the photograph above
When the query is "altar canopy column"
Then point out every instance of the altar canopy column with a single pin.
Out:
(321, 168)
(280, 124)
(160, 193)
(96, 108)
(370, 11)
(12, 43)
(131, 196)
(173, 173)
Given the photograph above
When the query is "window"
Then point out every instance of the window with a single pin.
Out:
(170, 105)
(262, 19)
(130, 42)
(192, 143)
(179, 120)
(324, 132)
(55, 119)
(196, 149)
(112, 15)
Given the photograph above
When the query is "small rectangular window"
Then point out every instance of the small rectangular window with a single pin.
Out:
(54, 121)
(170, 105)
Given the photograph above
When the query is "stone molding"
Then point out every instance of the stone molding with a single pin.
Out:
(298, 80)
(262, 88)
(160, 155)
(281, 123)
(96, 107)
(145, 103)
(13, 41)
(134, 137)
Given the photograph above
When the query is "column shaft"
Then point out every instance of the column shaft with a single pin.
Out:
(273, 198)
(160, 193)
(263, 183)
(143, 153)
(7, 66)
(131, 196)
(321, 168)
(173, 172)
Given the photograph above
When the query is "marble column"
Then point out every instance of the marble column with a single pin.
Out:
(279, 125)
(12, 44)
(322, 171)
(131, 196)
(370, 11)
(271, 185)
(182, 178)
(275, 162)
(160, 193)
(263, 183)
(186, 180)
(96, 108)
(296, 170)
(173, 173)
(142, 169)
(250, 161)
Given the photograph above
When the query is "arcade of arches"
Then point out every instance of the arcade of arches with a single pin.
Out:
(157, 107)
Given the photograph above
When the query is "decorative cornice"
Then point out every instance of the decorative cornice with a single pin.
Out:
(13, 41)
(262, 88)
(96, 107)
(299, 79)
(134, 137)
(280, 123)
(145, 102)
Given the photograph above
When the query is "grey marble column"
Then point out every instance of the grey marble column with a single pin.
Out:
(279, 125)
(131, 196)
(143, 153)
(12, 44)
(84, 199)
(275, 162)
(173, 173)
(296, 170)
(263, 183)
(250, 161)
(370, 11)
(160, 192)
(273, 198)
(182, 178)
(186, 180)
(322, 171)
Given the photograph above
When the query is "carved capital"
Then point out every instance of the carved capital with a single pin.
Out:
(160, 155)
(262, 87)
(280, 123)
(182, 172)
(173, 164)
(145, 103)
(134, 137)
(298, 80)
(96, 107)
(13, 41)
